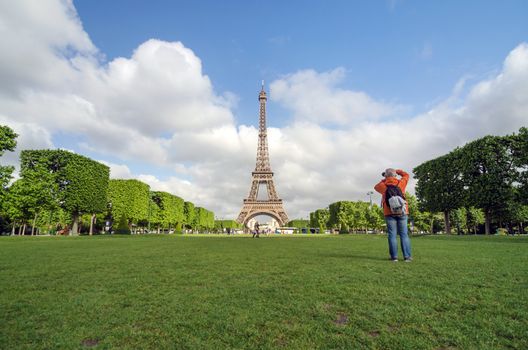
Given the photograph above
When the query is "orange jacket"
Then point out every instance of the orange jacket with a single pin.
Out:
(381, 187)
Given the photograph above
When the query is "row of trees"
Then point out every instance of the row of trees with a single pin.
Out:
(143, 209)
(60, 189)
(227, 226)
(349, 216)
(344, 216)
(490, 174)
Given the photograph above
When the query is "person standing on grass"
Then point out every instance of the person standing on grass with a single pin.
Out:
(256, 230)
(395, 209)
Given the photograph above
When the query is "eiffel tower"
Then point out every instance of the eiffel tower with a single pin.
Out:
(262, 176)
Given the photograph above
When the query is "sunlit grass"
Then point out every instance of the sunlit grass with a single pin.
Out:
(207, 292)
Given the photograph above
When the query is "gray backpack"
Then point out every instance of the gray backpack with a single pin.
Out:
(395, 200)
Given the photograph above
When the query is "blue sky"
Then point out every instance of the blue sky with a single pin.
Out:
(411, 52)
(166, 91)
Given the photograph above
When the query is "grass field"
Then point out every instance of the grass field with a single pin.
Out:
(204, 292)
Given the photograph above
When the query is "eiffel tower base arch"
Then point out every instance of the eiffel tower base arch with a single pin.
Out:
(266, 207)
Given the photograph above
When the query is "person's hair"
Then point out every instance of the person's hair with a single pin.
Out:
(390, 172)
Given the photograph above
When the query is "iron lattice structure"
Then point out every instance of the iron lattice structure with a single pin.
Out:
(262, 175)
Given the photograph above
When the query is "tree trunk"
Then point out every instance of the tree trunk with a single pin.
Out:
(488, 222)
(432, 226)
(92, 224)
(75, 226)
(23, 232)
(447, 222)
(13, 230)
(33, 226)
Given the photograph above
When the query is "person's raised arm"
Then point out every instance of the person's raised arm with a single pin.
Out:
(381, 187)
(404, 177)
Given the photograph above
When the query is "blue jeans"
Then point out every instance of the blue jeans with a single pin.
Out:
(398, 225)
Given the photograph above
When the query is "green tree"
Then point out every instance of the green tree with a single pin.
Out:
(418, 220)
(78, 184)
(14, 204)
(7, 143)
(123, 227)
(129, 198)
(189, 213)
(489, 172)
(25, 200)
(209, 223)
(514, 216)
(440, 187)
(339, 215)
(319, 219)
(475, 217)
(170, 208)
(154, 216)
(521, 217)
(459, 219)
(228, 225)
(374, 217)
(52, 219)
(520, 158)
(299, 224)
(203, 219)
(7, 139)
(357, 216)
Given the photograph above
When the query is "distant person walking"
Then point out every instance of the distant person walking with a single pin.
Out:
(395, 209)
(256, 230)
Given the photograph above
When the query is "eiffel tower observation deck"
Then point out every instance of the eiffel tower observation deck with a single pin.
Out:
(262, 176)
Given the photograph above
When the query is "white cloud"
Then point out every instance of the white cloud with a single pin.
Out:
(314, 97)
(157, 107)
(160, 89)
(500, 104)
(30, 136)
(118, 171)
(37, 40)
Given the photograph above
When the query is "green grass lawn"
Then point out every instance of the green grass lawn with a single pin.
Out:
(203, 292)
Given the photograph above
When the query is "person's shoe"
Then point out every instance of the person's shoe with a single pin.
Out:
(394, 259)
(409, 259)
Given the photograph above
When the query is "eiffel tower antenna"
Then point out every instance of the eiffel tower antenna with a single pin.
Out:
(262, 175)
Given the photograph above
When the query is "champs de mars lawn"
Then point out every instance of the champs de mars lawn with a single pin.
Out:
(225, 292)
